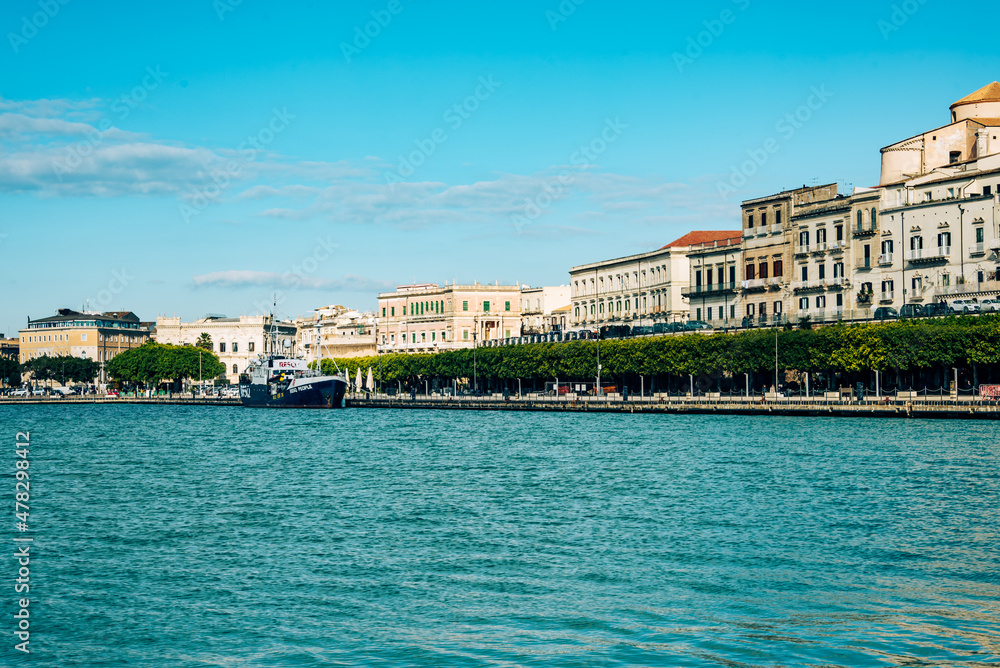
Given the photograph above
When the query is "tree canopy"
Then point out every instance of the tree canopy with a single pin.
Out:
(61, 369)
(155, 362)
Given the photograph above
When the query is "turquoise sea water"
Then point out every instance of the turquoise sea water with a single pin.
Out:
(206, 536)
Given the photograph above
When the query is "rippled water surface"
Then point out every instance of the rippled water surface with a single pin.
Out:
(206, 536)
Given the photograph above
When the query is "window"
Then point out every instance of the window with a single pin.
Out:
(916, 243)
(751, 272)
(235, 370)
(414, 337)
(506, 306)
(222, 346)
(465, 306)
(763, 269)
(777, 216)
(732, 311)
(945, 280)
(251, 346)
(874, 217)
(83, 337)
(839, 231)
(916, 284)
(236, 347)
(944, 240)
(804, 239)
(697, 279)
(697, 314)
(763, 222)
(822, 271)
(722, 275)
(954, 157)
(393, 311)
(821, 301)
(805, 273)
(861, 220)
(840, 300)
(887, 286)
(821, 235)
(979, 235)
(627, 307)
(777, 308)
(383, 312)
(576, 312)
(708, 315)
(887, 247)
(750, 220)
(988, 190)
(433, 336)
(732, 275)
(838, 270)
(778, 269)
(750, 310)
(763, 309)
(803, 303)
(404, 310)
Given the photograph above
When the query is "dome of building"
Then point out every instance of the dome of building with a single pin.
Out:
(984, 103)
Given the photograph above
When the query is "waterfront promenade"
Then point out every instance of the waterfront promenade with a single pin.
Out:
(918, 407)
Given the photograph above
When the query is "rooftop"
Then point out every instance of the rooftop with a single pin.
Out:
(703, 237)
(988, 93)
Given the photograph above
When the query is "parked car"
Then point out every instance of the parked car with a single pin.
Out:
(885, 313)
(935, 310)
(697, 325)
(989, 306)
(20, 393)
(38, 392)
(963, 306)
(912, 311)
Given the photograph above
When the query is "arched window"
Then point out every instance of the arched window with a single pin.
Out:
(235, 370)
(874, 217)
(861, 219)
(222, 346)
(627, 304)
(236, 347)
(577, 311)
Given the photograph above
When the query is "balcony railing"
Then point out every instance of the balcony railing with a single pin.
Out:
(819, 248)
(777, 229)
(706, 289)
(885, 259)
(863, 263)
(887, 296)
(836, 246)
(914, 254)
(763, 231)
(802, 250)
(864, 230)
(809, 285)
(938, 253)
(977, 249)
(774, 282)
(756, 283)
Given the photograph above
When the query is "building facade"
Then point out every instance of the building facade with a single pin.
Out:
(542, 309)
(639, 290)
(713, 291)
(427, 318)
(342, 332)
(235, 341)
(90, 335)
(10, 348)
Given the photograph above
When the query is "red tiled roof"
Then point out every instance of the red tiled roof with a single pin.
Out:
(703, 237)
(988, 93)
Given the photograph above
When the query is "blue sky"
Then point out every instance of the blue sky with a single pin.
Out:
(118, 121)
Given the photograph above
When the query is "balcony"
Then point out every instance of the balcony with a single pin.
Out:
(864, 230)
(802, 250)
(863, 263)
(819, 248)
(749, 232)
(887, 296)
(763, 231)
(838, 282)
(777, 229)
(919, 255)
(715, 288)
(755, 284)
(774, 282)
(885, 260)
(803, 286)
(977, 249)
(837, 246)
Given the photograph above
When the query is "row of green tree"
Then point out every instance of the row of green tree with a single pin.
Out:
(906, 345)
(153, 363)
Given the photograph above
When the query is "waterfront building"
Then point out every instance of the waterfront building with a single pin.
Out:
(937, 234)
(713, 292)
(426, 317)
(342, 332)
(638, 290)
(235, 341)
(90, 334)
(9, 347)
(539, 307)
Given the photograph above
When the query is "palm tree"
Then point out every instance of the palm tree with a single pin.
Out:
(204, 341)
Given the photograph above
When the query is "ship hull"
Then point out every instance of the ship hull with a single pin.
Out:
(318, 393)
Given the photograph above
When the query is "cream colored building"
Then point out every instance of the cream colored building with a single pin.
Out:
(713, 290)
(428, 318)
(539, 307)
(90, 335)
(235, 341)
(343, 333)
(637, 290)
